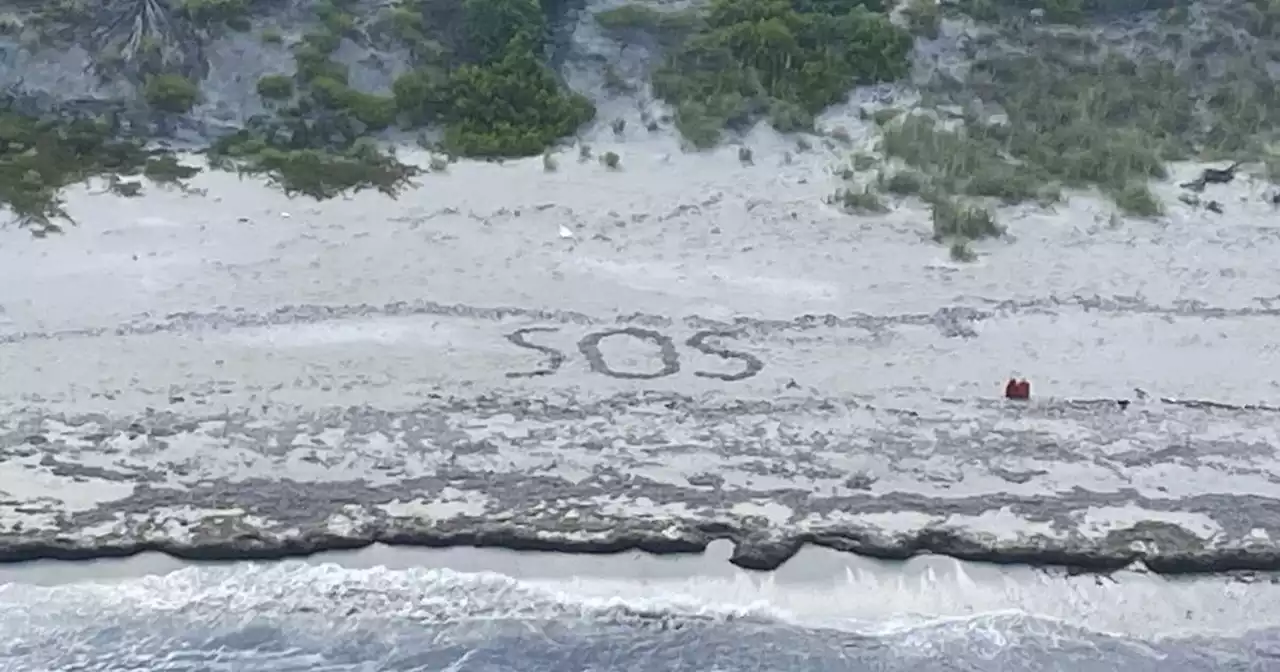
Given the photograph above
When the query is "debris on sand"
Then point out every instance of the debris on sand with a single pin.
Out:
(1212, 176)
(1017, 389)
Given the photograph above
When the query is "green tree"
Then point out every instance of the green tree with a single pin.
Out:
(491, 25)
(275, 87)
(419, 95)
(510, 108)
(171, 93)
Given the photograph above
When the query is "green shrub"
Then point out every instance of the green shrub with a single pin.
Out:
(648, 19)
(407, 24)
(166, 169)
(373, 111)
(959, 250)
(860, 201)
(336, 21)
(313, 65)
(320, 174)
(491, 25)
(478, 73)
(965, 160)
(40, 157)
(171, 93)
(494, 96)
(275, 87)
(1079, 115)
(419, 95)
(839, 7)
(904, 183)
(699, 125)
(953, 220)
(1136, 199)
(510, 108)
(320, 41)
(757, 57)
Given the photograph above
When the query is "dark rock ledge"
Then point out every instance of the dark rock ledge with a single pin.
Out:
(1094, 489)
(1174, 552)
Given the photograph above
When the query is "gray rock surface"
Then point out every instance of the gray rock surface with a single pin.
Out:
(239, 375)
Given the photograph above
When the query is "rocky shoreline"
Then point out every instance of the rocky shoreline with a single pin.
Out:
(752, 550)
(486, 473)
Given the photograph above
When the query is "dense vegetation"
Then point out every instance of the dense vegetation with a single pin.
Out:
(1046, 106)
(786, 60)
(171, 93)
(38, 158)
(479, 75)
(507, 107)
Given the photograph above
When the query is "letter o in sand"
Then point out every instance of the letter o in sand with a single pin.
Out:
(589, 346)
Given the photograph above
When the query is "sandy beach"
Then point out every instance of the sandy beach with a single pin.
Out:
(226, 371)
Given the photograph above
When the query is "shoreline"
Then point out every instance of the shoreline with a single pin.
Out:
(811, 564)
(908, 594)
(513, 563)
(751, 554)
(335, 440)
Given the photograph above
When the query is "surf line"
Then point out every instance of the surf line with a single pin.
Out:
(668, 354)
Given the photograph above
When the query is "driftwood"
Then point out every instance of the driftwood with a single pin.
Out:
(1212, 176)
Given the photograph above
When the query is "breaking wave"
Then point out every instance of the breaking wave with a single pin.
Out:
(328, 618)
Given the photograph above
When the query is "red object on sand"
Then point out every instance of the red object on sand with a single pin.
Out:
(1017, 389)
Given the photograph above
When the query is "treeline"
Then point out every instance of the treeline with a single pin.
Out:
(479, 75)
(480, 72)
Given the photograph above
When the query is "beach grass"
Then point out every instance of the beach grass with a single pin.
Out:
(1042, 108)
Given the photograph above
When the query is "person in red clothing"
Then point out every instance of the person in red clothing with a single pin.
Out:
(1017, 389)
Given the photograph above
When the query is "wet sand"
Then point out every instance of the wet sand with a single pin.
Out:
(820, 587)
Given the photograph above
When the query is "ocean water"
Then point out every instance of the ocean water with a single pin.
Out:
(325, 617)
